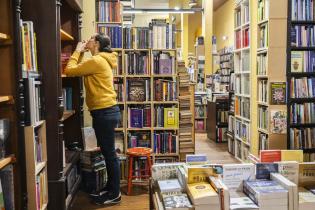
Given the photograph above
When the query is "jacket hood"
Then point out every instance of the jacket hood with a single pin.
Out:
(110, 57)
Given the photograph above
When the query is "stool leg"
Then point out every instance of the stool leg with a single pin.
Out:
(149, 163)
(130, 172)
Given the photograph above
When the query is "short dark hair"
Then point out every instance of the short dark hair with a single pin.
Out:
(104, 42)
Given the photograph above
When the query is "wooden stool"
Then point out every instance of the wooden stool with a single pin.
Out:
(137, 152)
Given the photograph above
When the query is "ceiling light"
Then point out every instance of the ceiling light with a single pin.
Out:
(176, 8)
(161, 11)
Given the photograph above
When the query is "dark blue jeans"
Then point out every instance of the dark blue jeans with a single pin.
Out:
(104, 123)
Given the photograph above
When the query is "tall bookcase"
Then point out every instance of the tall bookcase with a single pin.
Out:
(300, 77)
(57, 25)
(270, 74)
(111, 24)
(242, 79)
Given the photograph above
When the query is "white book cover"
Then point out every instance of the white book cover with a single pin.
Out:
(163, 171)
(242, 203)
(306, 199)
(89, 139)
(170, 185)
(290, 170)
(291, 187)
(234, 174)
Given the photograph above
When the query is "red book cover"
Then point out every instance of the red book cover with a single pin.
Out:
(270, 156)
(169, 142)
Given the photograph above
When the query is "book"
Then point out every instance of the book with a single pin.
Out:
(302, 113)
(306, 174)
(139, 139)
(89, 139)
(178, 201)
(278, 121)
(278, 93)
(163, 63)
(137, 37)
(306, 199)
(138, 90)
(202, 193)
(196, 159)
(302, 138)
(165, 143)
(263, 170)
(171, 117)
(137, 62)
(165, 90)
(170, 185)
(290, 170)
(234, 174)
(297, 61)
(108, 11)
(292, 155)
(139, 117)
(114, 32)
(302, 10)
(266, 193)
(163, 171)
(291, 187)
(242, 203)
(270, 156)
(199, 173)
(222, 191)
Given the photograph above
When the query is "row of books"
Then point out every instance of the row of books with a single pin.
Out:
(303, 36)
(302, 61)
(302, 10)
(119, 88)
(231, 124)
(263, 117)
(165, 142)
(225, 71)
(139, 117)
(262, 64)
(242, 107)
(302, 87)
(242, 84)
(242, 38)
(263, 10)
(163, 63)
(242, 130)
(199, 112)
(114, 32)
(139, 139)
(38, 147)
(138, 90)
(263, 36)
(166, 117)
(165, 90)
(222, 116)
(67, 98)
(263, 141)
(107, 11)
(232, 83)
(221, 135)
(303, 113)
(41, 191)
(119, 69)
(159, 35)
(263, 91)
(200, 125)
(303, 138)
(33, 108)
(232, 103)
(237, 18)
(29, 49)
(136, 63)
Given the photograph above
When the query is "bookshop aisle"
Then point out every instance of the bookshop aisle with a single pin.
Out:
(216, 153)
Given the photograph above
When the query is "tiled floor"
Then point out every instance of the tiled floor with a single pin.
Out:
(217, 153)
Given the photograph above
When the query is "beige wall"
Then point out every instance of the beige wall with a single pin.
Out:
(223, 24)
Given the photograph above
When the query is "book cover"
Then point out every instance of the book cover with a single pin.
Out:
(241, 203)
(170, 185)
(278, 93)
(165, 64)
(278, 121)
(170, 117)
(290, 170)
(306, 196)
(202, 193)
(270, 156)
(174, 201)
(292, 155)
(263, 170)
(307, 174)
(89, 139)
(297, 61)
(163, 171)
(199, 173)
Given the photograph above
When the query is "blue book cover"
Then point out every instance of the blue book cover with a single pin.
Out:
(136, 116)
(69, 98)
(312, 62)
(263, 170)
(293, 35)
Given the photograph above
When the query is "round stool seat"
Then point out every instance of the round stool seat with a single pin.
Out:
(139, 151)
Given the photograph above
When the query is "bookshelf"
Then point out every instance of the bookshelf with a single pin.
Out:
(242, 61)
(270, 73)
(36, 165)
(300, 103)
(57, 25)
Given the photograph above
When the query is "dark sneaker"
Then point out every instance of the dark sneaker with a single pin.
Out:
(107, 199)
(102, 192)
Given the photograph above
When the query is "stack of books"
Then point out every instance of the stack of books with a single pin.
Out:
(186, 128)
(93, 171)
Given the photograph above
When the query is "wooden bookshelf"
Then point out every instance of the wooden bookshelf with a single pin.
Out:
(36, 169)
(58, 25)
(7, 161)
(6, 99)
(242, 70)
(269, 69)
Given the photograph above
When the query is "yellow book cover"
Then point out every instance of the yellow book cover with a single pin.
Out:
(292, 155)
(297, 61)
(199, 173)
(202, 193)
(23, 47)
(307, 174)
(171, 117)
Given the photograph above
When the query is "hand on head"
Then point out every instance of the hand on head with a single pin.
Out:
(81, 46)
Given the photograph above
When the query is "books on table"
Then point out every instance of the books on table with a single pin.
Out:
(307, 174)
(177, 201)
(169, 185)
(290, 170)
(306, 199)
(263, 170)
(202, 193)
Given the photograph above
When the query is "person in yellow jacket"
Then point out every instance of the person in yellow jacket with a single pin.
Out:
(97, 74)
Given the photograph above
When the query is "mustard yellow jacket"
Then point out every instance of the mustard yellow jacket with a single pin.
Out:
(98, 78)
